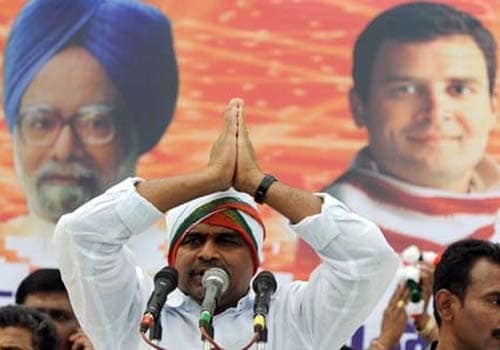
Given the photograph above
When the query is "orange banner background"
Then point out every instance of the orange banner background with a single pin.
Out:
(289, 60)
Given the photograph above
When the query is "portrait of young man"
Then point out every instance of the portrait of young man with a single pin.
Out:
(424, 78)
(424, 88)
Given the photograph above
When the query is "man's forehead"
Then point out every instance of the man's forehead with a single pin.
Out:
(484, 279)
(484, 276)
(59, 75)
(458, 51)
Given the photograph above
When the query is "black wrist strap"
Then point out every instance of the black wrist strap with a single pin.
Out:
(260, 193)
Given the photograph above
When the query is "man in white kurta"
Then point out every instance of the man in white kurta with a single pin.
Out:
(108, 292)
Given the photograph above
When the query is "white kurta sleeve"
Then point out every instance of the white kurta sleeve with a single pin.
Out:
(357, 267)
(106, 289)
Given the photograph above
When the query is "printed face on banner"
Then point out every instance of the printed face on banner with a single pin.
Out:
(68, 143)
(429, 111)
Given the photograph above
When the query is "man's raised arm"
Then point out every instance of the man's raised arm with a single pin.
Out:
(357, 262)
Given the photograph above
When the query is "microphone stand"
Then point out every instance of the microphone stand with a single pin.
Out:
(264, 285)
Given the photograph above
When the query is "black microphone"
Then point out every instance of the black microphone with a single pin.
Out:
(264, 285)
(215, 282)
(165, 282)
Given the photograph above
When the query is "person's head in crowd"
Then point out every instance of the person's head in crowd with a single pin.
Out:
(467, 296)
(424, 88)
(222, 230)
(43, 290)
(22, 328)
(89, 86)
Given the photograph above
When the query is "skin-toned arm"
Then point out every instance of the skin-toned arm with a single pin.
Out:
(394, 320)
(293, 203)
(232, 162)
(169, 192)
(395, 316)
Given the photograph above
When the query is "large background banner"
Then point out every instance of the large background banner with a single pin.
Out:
(291, 63)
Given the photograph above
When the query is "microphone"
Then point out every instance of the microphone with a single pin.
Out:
(165, 282)
(215, 282)
(264, 285)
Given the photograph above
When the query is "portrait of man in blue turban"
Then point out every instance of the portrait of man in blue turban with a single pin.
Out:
(89, 86)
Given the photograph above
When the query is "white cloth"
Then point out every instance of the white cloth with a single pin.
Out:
(108, 292)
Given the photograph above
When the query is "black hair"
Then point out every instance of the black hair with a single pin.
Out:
(43, 331)
(42, 280)
(418, 22)
(453, 270)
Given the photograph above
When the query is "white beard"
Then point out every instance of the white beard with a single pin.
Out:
(51, 201)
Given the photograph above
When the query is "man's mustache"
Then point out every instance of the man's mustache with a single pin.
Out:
(68, 169)
(200, 269)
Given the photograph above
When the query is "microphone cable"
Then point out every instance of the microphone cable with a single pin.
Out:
(150, 343)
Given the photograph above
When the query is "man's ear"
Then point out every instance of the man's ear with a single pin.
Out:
(446, 304)
(357, 108)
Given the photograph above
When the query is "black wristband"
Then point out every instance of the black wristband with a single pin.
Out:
(260, 193)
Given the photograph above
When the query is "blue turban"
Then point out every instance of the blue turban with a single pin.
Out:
(132, 42)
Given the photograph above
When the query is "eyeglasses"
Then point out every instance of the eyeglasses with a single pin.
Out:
(94, 125)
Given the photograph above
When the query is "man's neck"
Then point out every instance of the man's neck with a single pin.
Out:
(484, 177)
(446, 342)
(458, 185)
